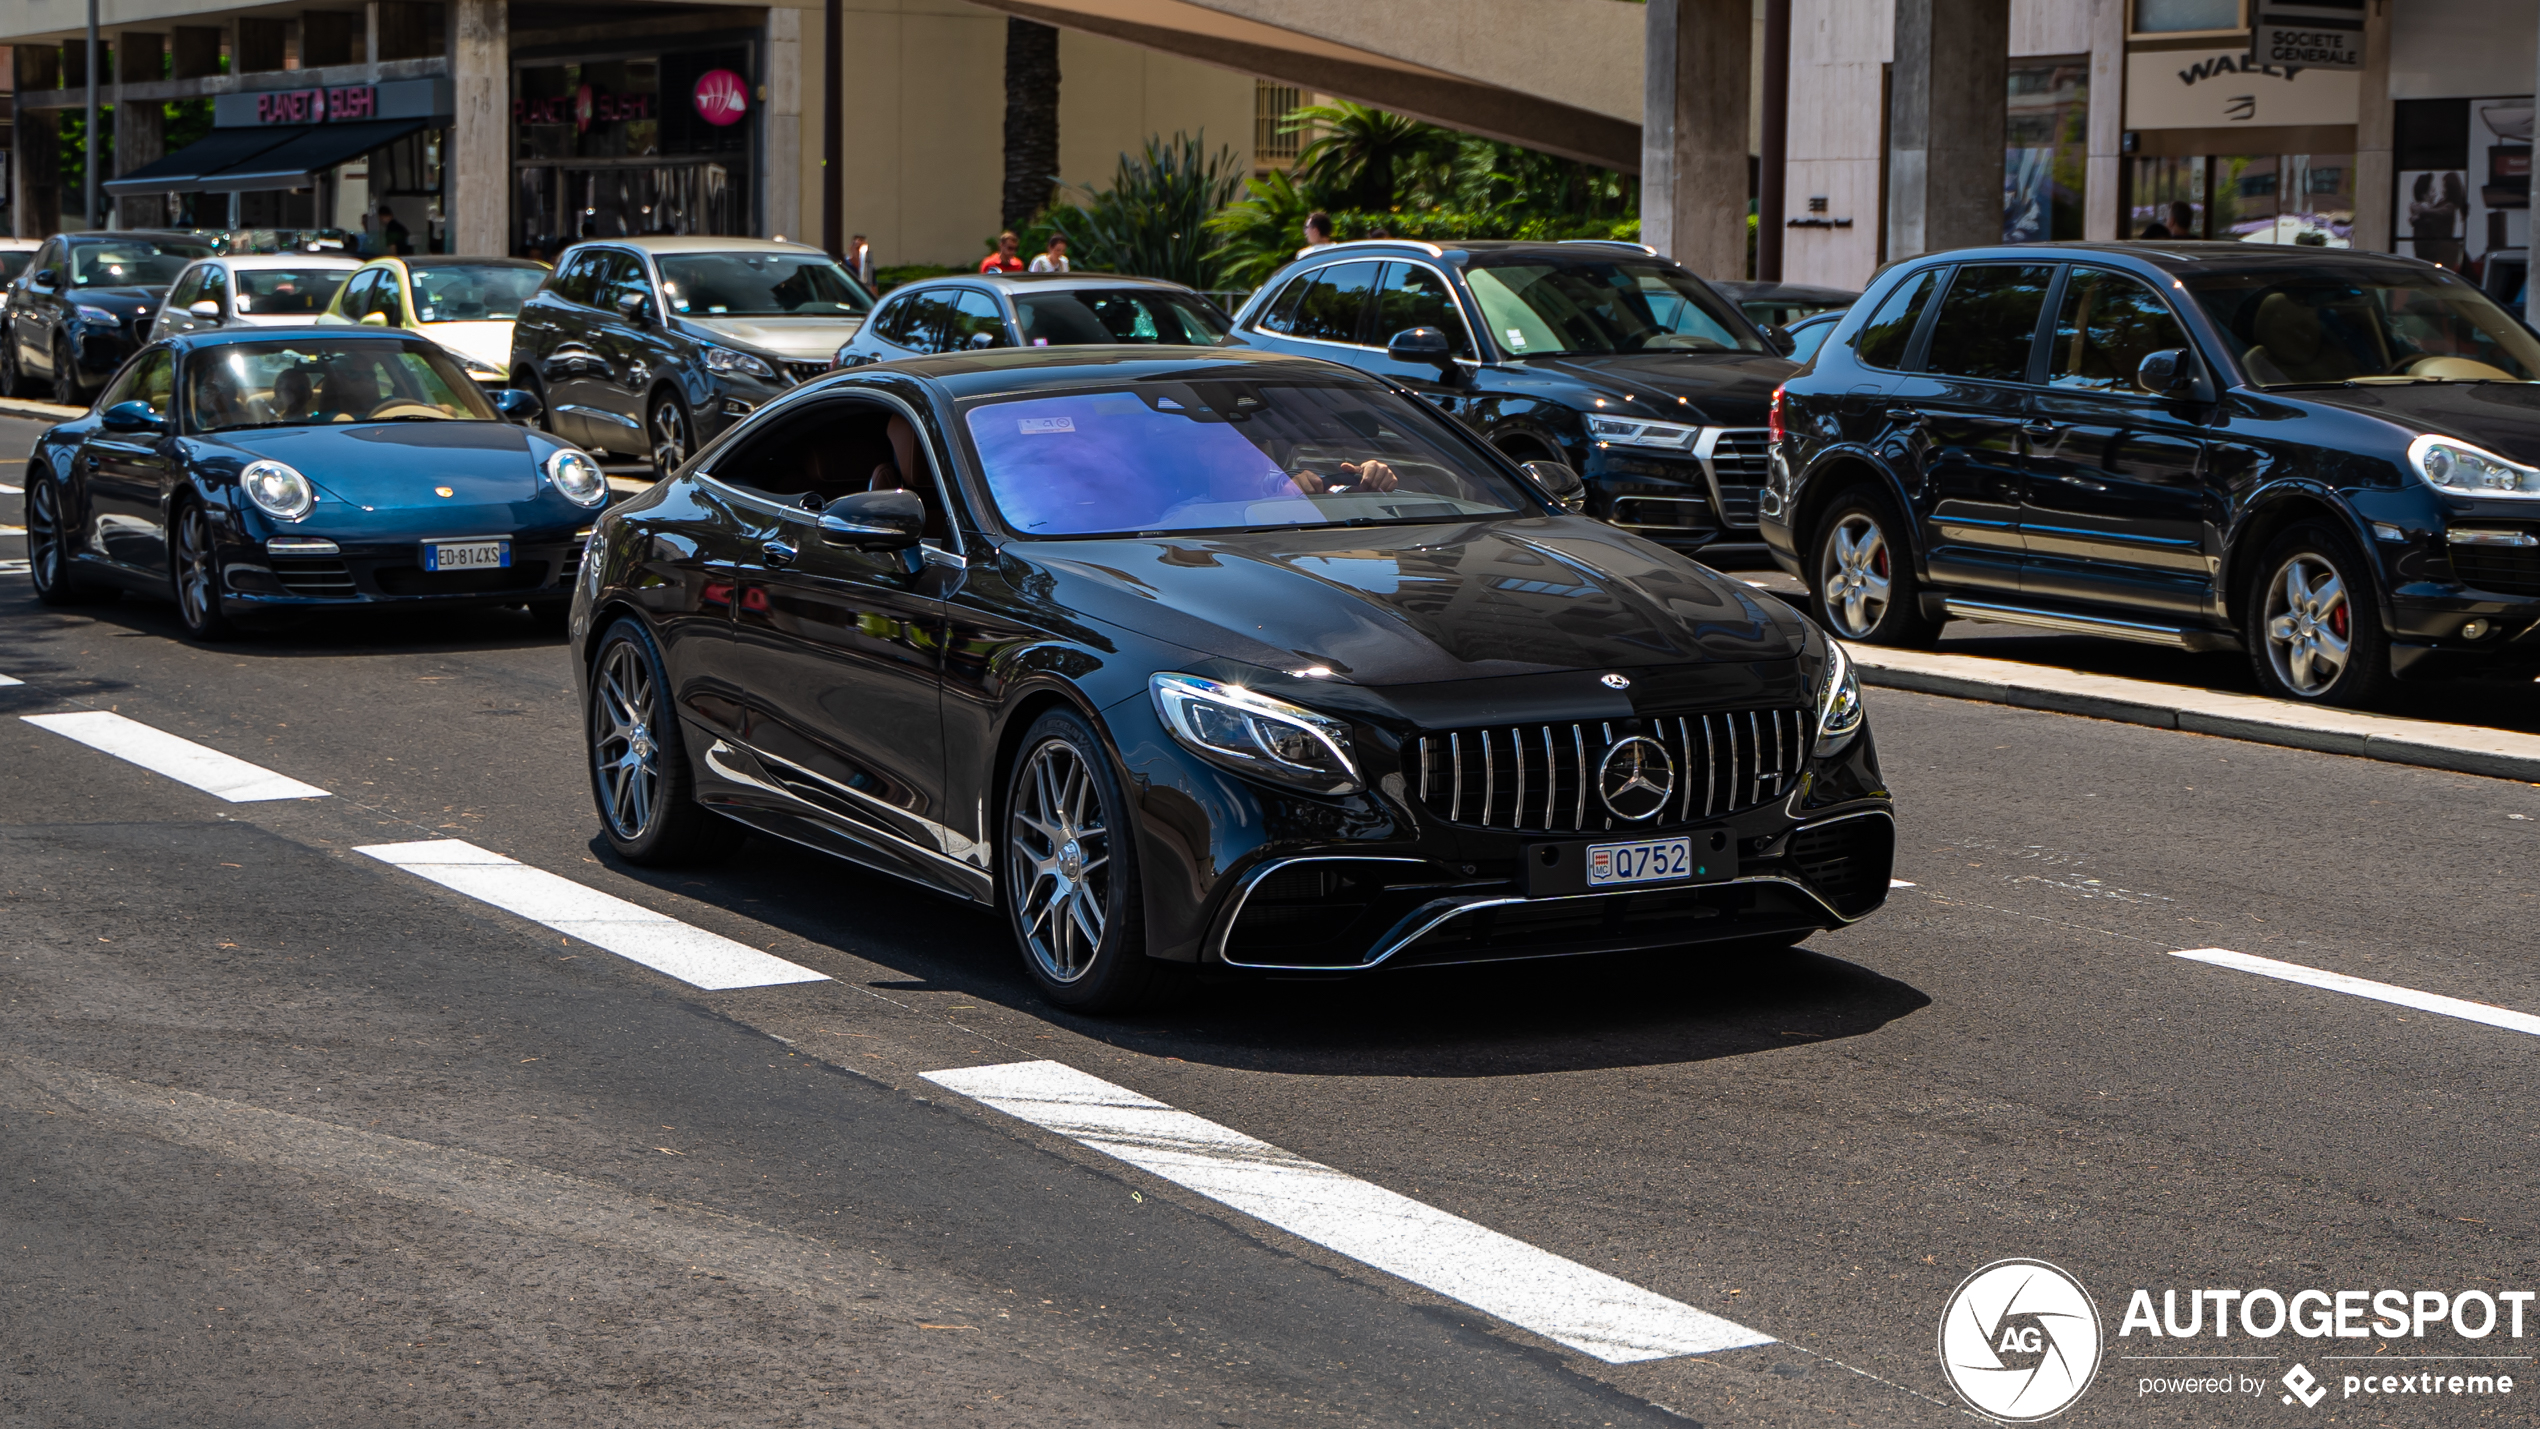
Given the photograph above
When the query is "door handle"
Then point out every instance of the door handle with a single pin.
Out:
(777, 553)
(1905, 416)
(2039, 431)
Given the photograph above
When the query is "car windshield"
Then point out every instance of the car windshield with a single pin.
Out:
(759, 285)
(1071, 316)
(311, 382)
(132, 262)
(472, 292)
(1219, 453)
(2363, 322)
(283, 292)
(1538, 307)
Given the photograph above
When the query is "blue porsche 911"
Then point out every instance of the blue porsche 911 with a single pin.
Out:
(265, 471)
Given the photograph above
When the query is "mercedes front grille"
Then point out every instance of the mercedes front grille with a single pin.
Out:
(1543, 778)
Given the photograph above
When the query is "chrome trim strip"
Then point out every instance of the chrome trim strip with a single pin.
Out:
(1517, 743)
(1490, 778)
(1252, 880)
(944, 831)
(1551, 778)
(1578, 811)
(1755, 770)
(1424, 769)
(2489, 536)
(1455, 751)
(2175, 637)
(1705, 444)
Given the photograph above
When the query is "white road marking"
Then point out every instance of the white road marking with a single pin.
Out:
(12, 530)
(1898, 883)
(1533, 1289)
(18, 567)
(11, 680)
(8, 490)
(221, 775)
(635, 933)
(2362, 987)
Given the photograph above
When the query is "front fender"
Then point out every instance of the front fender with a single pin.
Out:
(1824, 476)
(2257, 513)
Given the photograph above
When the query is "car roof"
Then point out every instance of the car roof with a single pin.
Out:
(2182, 257)
(1030, 282)
(700, 243)
(1580, 250)
(107, 235)
(20, 245)
(329, 331)
(1795, 292)
(1024, 369)
(284, 260)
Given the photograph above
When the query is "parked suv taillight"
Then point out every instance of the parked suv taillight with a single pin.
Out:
(1773, 418)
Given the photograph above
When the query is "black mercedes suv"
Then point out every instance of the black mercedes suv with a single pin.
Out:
(2329, 459)
(1602, 355)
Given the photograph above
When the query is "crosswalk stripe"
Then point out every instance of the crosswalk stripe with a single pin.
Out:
(635, 933)
(1588, 1310)
(2435, 1002)
(11, 680)
(221, 775)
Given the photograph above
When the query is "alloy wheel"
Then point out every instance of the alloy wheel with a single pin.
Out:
(670, 436)
(65, 376)
(624, 750)
(1058, 872)
(197, 571)
(1858, 580)
(44, 535)
(2309, 624)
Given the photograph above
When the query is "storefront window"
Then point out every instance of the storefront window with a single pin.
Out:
(2187, 17)
(619, 146)
(2045, 163)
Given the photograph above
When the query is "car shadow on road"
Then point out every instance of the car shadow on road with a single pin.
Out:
(31, 634)
(1552, 1015)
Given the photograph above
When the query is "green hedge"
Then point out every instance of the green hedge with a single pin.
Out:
(1438, 225)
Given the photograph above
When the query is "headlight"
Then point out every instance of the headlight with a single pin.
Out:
(2464, 470)
(95, 315)
(484, 371)
(724, 359)
(1257, 735)
(1626, 432)
(1839, 712)
(578, 477)
(277, 490)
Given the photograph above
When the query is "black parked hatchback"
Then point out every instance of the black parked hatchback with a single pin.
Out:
(1602, 355)
(2329, 459)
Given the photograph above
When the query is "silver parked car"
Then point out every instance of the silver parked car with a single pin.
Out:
(252, 290)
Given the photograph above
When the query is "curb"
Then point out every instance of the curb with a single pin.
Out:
(45, 411)
(2460, 749)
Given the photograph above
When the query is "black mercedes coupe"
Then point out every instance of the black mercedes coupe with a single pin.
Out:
(1216, 659)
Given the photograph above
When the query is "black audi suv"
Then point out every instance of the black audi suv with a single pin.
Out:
(1214, 658)
(2328, 459)
(1605, 356)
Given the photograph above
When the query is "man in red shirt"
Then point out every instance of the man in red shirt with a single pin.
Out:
(1008, 257)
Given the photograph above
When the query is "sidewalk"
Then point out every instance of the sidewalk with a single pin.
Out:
(2463, 749)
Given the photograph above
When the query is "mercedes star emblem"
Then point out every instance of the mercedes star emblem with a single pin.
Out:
(1636, 778)
(1616, 682)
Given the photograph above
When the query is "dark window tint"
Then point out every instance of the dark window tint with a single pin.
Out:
(12, 264)
(1279, 314)
(2108, 324)
(188, 287)
(1332, 308)
(892, 324)
(620, 274)
(1413, 296)
(1883, 339)
(579, 273)
(1988, 321)
(1135, 315)
(929, 314)
(976, 321)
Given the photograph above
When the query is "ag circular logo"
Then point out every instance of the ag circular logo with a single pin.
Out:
(2020, 1341)
(1636, 778)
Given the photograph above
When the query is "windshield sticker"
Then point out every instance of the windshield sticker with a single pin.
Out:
(1032, 425)
(1516, 337)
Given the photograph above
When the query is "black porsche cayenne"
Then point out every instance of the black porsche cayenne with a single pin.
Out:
(1214, 658)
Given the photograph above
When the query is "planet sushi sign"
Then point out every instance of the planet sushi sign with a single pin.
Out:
(722, 97)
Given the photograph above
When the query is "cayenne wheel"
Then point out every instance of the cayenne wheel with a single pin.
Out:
(640, 776)
(1862, 580)
(194, 567)
(66, 389)
(2315, 627)
(48, 552)
(671, 435)
(1071, 880)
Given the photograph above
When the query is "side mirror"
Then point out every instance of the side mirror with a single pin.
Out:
(1781, 340)
(207, 310)
(875, 520)
(374, 319)
(132, 417)
(515, 403)
(2167, 373)
(634, 306)
(43, 278)
(1422, 345)
(1559, 482)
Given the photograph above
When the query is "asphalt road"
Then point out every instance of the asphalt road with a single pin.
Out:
(289, 1136)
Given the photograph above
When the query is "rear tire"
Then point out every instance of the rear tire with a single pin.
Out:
(641, 780)
(1861, 583)
(669, 431)
(1071, 872)
(48, 549)
(194, 575)
(66, 388)
(2313, 621)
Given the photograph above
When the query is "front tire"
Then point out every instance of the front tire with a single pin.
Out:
(641, 780)
(1861, 575)
(2313, 621)
(1071, 871)
(672, 435)
(194, 572)
(66, 388)
(48, 547)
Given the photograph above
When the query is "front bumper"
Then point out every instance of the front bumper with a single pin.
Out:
(391, 573)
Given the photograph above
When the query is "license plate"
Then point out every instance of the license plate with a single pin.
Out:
(1644, 861)
(466, 555)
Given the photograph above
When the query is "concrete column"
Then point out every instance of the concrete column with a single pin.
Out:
(37, 170)
(2102, 170)
(1772, 144)
(140, 130)
(782, 206)
(476, 178)
(2376, 123)
(1947, 101)
(1693, 134)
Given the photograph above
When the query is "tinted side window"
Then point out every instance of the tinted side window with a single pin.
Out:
(2108, 324)
(357, 293)
(1413, 296)
(975, 321)
(1987, 323)
(187, 288)
(618, 275)
(891, 324)
(1279, 314)
(1331, 309)
(149, 381)
(929, 314)
(580, 276)
(1882, 340)
(215, 286)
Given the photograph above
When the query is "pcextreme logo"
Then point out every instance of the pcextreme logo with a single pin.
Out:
(2019, 1341)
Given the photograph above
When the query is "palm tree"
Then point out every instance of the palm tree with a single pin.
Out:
(1359, 151)
(1031, 119)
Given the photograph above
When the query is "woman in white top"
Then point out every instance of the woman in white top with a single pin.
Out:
(1055, 259)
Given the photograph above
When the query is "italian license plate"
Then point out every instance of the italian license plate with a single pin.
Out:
(1645, 861)
(466, 555)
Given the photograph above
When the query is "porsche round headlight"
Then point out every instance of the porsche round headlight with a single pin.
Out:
(277, 490)
(578, 477)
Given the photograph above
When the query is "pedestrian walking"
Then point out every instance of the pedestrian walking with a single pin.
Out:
(1053, 258)
(860, 260)
(1318, 232)
(1008, 257)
